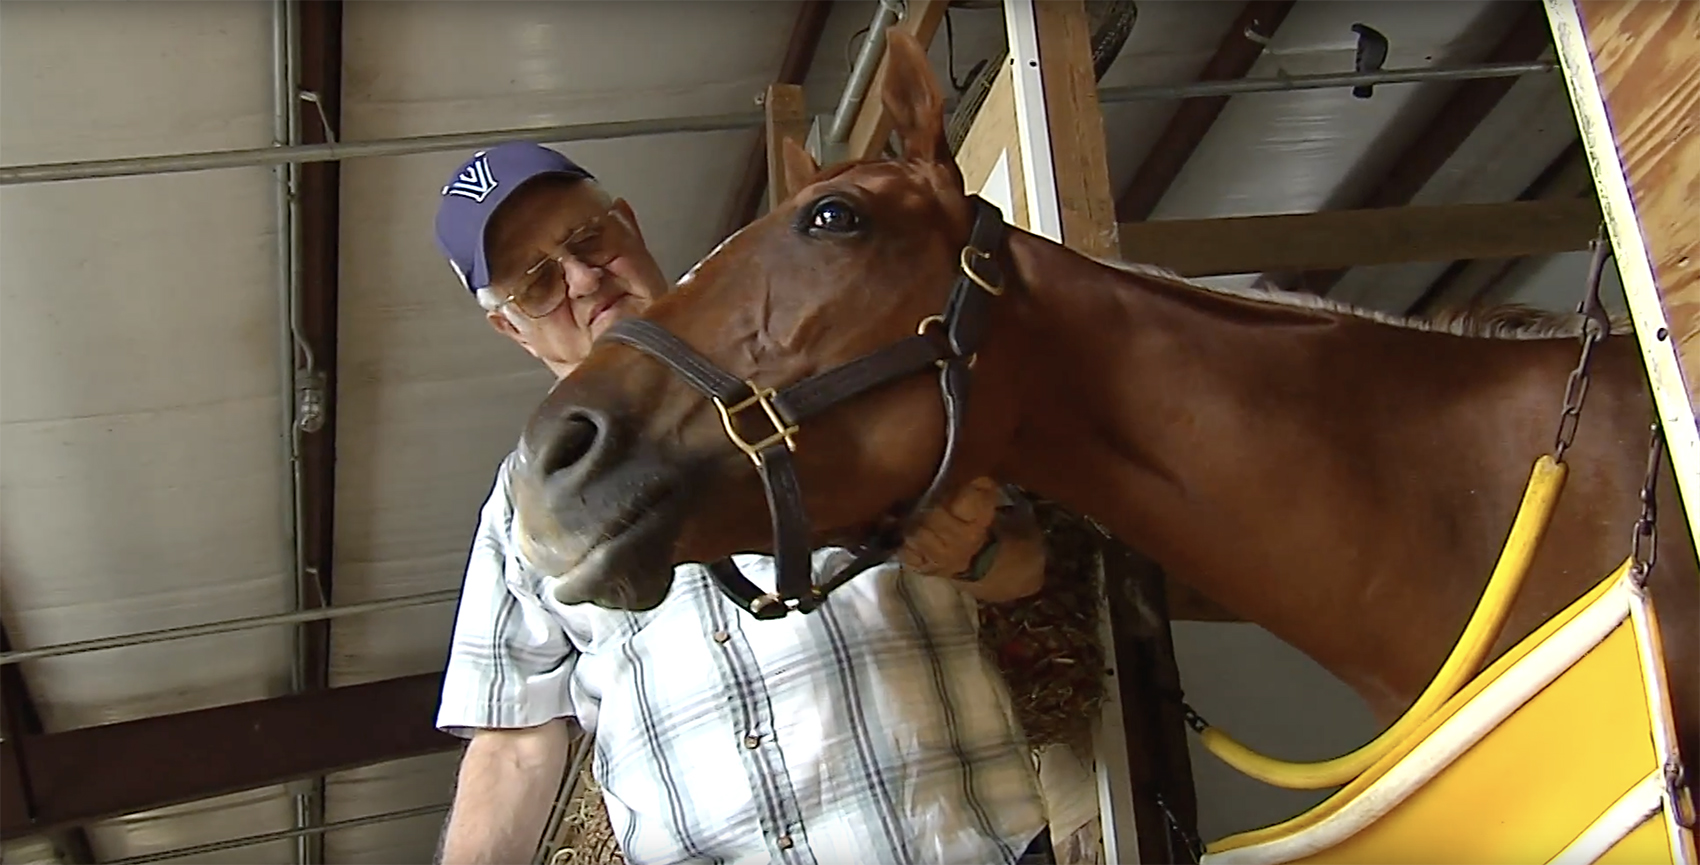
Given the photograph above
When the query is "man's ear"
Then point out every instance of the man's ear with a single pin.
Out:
(624, 208)
(503, 326)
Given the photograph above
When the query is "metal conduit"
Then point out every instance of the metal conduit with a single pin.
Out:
(228, 625)
(404, 146)
(862, 73)
(1236, 86)
(286, 62)
(139, 165)
(284, 835)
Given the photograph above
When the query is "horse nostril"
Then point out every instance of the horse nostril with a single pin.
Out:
(569, 443)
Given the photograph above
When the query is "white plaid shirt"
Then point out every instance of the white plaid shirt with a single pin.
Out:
(874, 729)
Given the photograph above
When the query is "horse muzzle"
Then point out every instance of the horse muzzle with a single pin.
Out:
(598, 518)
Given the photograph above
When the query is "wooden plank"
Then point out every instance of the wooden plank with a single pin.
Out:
(1632, 68)
(1136, 737)
(1075, 124)
(1469, 282)
(1356, 238)
(872, 129)
(1470, 103)
(787, 117)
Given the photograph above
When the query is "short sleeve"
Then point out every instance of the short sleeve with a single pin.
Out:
(510, 661)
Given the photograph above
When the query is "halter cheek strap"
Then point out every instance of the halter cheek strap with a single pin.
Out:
(948, 341)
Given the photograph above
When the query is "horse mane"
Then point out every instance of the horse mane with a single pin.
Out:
(1498, 321)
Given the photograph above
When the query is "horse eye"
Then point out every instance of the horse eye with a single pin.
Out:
(834, 216)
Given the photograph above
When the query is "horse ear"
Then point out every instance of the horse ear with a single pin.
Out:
(911, 96)
(800, 166)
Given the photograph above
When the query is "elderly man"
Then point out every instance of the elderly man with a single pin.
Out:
(873, 730)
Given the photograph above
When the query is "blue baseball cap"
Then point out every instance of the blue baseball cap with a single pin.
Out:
(474, 192)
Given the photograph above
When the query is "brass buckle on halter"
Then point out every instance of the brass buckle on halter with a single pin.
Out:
(921, 330)
(762, 396)
(771, 598)
(968, 269)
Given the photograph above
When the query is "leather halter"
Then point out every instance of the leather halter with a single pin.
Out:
(947, 341)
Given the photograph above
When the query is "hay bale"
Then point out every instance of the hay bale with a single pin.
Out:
(1048, 645)
(587, 838)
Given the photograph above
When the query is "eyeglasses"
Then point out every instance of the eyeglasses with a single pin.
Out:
(543, 286)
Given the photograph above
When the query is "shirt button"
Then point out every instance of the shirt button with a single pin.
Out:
(721, 636)
(784, 842)
(752, 741)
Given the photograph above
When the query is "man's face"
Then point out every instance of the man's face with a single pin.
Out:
(567, 246)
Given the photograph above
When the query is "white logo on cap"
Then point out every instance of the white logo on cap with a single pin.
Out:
(475, 181)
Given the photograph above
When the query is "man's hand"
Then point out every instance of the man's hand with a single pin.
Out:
(945, 542)
(950, 534)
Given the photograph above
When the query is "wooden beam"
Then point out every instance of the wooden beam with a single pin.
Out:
(1152, 734)
(1238, 50)
(872, 129)
(19, 716)
(319, 26)
(93, 773)
(1633, 72)
(787, 117)
(1075, 124)
(800, 51)
(1469, 282)
(1457, 119)
(1359, 238)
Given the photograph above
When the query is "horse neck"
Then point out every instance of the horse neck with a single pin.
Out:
(1171, 415)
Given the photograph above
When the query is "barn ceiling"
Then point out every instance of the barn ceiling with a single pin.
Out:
(144, 430)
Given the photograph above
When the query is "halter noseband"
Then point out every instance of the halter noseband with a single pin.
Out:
(947, 341)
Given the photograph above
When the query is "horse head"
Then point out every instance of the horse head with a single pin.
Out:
(835, 317)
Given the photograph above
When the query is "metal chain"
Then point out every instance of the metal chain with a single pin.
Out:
(1194, 847)
(1595, 328)
(1644, 546)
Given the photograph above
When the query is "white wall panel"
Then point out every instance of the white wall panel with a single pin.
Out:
(140, 473)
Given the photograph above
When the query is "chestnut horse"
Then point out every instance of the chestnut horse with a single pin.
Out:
(1342, 478)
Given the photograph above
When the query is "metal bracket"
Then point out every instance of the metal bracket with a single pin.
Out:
(825, 152)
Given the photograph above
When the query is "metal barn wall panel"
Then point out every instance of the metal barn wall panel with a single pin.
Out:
(1304, 150)
(430, 397)
(141, 477)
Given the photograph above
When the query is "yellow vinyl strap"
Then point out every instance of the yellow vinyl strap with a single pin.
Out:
(1540, 498)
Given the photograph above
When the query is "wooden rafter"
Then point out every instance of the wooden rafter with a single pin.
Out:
(799, 58)
(93, 773)
(320, 30)
(1526, 39)
(20, 717)
(1471, 281)
(1238, 50)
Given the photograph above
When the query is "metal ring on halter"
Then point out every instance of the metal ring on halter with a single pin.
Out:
(921, 330)
(994, 290)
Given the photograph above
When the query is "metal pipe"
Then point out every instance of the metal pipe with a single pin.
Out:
(286, 60)
(210, 160)
(226, 626)
(862, 72)
(44, 172)
(1230, 87)
(283, 835)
